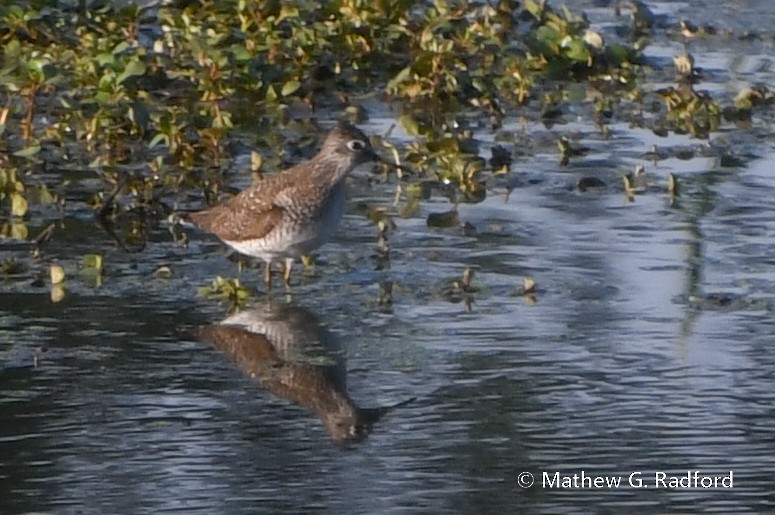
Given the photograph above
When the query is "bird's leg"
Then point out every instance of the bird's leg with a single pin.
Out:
(268, 275)
(287, 272)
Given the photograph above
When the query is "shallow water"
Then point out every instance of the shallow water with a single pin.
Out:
(648, 347)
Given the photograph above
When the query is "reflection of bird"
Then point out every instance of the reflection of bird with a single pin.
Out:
(294, 212)
(292, 355)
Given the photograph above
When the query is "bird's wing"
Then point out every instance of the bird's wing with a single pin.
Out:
(251, 214)
(232, 224)
(255, 211)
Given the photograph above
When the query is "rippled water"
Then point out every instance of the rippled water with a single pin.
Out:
(648, 347)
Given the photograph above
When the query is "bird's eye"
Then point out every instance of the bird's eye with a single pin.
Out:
(356, 145)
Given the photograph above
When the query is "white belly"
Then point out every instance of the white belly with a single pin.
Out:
(291, 240)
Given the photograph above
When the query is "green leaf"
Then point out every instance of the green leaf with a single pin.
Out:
(549, 35)
(577, 50)
(271, 95)
(399, 78)
(28, 152)
(534, 8)
(105, 59)
(133, 68)
(240, 53)
(120, 47)
(409, 124)
(57, 274)
(158, 139)
(290, 87)
(93, 261)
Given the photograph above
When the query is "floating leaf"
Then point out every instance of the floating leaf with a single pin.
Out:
(163, 272)
(93, 262)
(18, 204)
(57, 274)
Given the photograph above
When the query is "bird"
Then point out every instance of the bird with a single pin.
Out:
(292, 213)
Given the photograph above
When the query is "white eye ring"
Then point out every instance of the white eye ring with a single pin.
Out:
(356, 145)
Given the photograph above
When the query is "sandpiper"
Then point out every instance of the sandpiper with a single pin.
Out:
(294, 212)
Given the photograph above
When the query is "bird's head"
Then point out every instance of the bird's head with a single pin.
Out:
(347, 142)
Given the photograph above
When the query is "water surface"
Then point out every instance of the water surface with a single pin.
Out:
(648, 346)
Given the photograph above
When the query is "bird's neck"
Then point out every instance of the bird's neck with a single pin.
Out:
(331, 169)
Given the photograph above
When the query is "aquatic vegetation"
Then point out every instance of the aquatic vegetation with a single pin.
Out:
(169, 85)
(12, 191)
(672, 185)
(151, 101)
(57, 278)
(226, 289)
(460, 289)
(635, 182)
(691, 111)
(57, 274)
(567, 150)
(528, 291)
